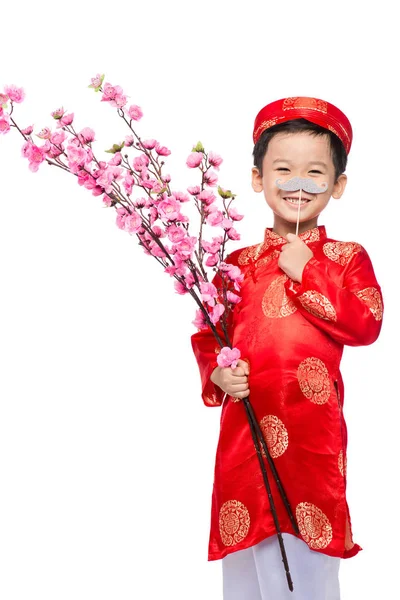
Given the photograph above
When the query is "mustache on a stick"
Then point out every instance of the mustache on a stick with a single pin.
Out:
(302, 183)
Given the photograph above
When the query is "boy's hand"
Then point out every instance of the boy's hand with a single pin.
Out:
(294, 256)
(232, 381)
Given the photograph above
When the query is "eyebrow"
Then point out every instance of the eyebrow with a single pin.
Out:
(311, 162)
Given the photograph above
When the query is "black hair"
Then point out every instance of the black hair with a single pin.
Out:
(338, 152)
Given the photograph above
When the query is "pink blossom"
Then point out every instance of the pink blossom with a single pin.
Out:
(160, 233)
(180, 288)
(181, 196)
(129, 182)
(212, 260)
(77, 157)
(110, 92)
(140, 202)
(116, 159)
(200, 320)
(153, 215)
(96, 81)
(149, 144)
(86, 135)
(133, 223)
(212, 247)
(190, 280)
(58, 137)
(234, 215)
(207, 197)
(14, 93)
(162, 150)
(194, 191)
(185, 247)
(1, 110)
(194, 159)
(3, 99)
(210, 178)
(233, 234)
(166, 178)
(44, 134)
(109, 175)
(234, 298)
(119, 101)
(65, 120)
(4, 125)
(107, 200)
(226, 224)
(215, 218)
(175, 234)
(216, 313)
(135, 112)
(58, 113)
(208, 293)
(169, 209)
(34, 154)
(27, 130)
(228, 357)
(235, 274)
(214, 159)
(140, 162)
(129, 140)
(156, 250)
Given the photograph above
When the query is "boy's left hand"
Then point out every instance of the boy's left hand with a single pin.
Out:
(294, 256)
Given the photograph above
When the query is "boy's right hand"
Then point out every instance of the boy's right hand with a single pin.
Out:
(232, 381)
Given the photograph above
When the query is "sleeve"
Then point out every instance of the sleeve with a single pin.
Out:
(206, 348)
(352, 313)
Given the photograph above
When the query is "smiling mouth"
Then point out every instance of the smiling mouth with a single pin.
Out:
(295, 200)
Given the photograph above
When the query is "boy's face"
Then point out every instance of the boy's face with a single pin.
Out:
(297, 155)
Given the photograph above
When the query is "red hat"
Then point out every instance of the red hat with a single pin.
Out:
(317, 111)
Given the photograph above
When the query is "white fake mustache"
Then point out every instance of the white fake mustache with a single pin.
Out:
(302, 183)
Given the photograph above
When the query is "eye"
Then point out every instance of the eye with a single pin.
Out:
(315, 171)
(282, 169)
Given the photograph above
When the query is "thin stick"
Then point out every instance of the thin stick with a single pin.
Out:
(270, 497)
(250, 412)
(298, 215)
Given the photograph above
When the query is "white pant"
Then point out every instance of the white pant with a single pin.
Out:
(258, 573)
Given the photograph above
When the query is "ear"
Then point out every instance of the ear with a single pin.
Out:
(256, 180)
(340, 186)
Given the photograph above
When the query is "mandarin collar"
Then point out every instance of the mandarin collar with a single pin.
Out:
(271, 238)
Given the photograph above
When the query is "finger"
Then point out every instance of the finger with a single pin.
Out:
(236, 380)
(241, 387)
(240, 395)
(238, 372)
(244, 365)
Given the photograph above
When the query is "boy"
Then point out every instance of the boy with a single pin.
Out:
(303, 297)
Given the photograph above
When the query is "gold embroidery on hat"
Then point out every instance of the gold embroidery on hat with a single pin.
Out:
(314, 526)
(314, 380)
(301, 102)
(373, 299)
(234, 522)
(275, 435)
(318, 305)
(341, 252)
(275, 303)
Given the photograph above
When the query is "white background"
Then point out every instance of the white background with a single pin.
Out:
(106, 451)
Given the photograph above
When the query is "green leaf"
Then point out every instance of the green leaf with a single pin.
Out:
(116, 148)
(198, 148)
(225, 193)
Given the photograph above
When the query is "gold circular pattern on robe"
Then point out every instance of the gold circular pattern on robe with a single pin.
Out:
(275, 435)
(373, 300)
(341, 252)
(318, 305)
(342, 464)
(275, 303)
(314, 526)
(234, 522)
(314, 380)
